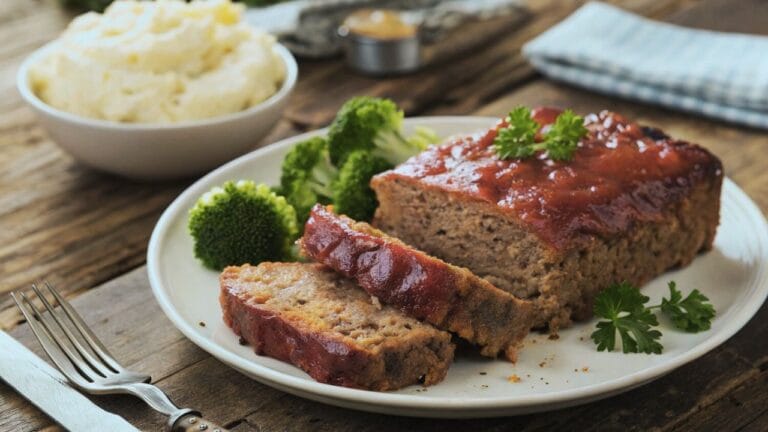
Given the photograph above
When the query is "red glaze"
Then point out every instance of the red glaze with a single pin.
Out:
(323, 358)
(413, 282)
(621, 173)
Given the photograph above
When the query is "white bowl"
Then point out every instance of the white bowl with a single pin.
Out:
(159, 151)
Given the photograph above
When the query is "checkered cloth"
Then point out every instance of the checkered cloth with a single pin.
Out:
(601, 47)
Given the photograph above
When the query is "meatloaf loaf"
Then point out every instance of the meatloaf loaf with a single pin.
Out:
(324, 324)
(629, 205)
(424, 287)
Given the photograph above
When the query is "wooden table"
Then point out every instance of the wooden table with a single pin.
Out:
(87, 232)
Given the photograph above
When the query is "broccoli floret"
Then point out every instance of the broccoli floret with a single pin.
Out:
(357, 124)
(374, 124)
(353, 195)
(307, 175)
(396, 149)
(240, 223)
(364, 139)
(308, 178)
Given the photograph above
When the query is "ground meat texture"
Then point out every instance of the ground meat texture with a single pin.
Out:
(449, 297)
(313, 318)
(631, 204)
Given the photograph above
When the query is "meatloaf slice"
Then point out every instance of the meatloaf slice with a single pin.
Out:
(424, 287)
(631, 204)
(313, 318)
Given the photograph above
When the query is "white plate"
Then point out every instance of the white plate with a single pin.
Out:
(553, 374)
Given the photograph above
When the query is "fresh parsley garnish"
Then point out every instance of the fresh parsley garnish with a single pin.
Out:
(563, 137)
(625, 312)
(518, 139)
(624, 308)
(691, 314)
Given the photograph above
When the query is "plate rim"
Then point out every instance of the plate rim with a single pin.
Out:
(414, 403)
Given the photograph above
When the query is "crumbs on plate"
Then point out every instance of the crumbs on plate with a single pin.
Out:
(513, 378)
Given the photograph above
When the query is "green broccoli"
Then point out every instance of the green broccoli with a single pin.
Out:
(422, 138)
(307, 175)
(364, 140)
(308, 178)
(240, 223)
(357, 124)
(392, 146)
(374, 124)
(352, 193)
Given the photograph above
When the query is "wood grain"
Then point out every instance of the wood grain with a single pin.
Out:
(72, 225)
(741, 408)
(80, 229)
(457, 87)
(140, 336)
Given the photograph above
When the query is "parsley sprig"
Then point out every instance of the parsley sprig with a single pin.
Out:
(692, 314)
(625, 312)
(518, 139)
(624, 307)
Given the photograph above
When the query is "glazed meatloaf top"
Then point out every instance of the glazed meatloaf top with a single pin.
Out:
(622, 173)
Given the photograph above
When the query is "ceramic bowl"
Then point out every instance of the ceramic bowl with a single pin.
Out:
(159, 151)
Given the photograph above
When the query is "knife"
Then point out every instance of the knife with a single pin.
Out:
(47, 388)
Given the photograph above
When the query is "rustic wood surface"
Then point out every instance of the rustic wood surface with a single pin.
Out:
(87, 232)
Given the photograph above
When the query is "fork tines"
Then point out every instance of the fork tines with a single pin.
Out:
(66, 339)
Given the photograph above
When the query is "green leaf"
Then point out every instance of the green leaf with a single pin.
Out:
(623, 306)
(563, 137)
(516, 140)
(692, 314)
(636, 333)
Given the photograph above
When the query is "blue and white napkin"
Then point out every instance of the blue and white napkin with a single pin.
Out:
(603, 48)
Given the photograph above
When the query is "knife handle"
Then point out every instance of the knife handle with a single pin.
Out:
(192, 421)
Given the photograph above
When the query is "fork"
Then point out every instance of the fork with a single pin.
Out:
(89, 366)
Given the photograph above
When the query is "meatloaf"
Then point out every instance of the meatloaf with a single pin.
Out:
(449, 297)
(629, 205)
(324, 324)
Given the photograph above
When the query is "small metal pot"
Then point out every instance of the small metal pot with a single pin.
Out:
(381, 56)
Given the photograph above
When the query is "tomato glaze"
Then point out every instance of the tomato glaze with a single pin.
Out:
(620, 174)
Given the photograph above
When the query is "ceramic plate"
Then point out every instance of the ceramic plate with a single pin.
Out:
(553, 373)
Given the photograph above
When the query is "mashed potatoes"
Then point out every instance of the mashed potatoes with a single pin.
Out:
(159, 62)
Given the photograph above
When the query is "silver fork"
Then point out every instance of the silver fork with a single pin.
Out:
(84, 360)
